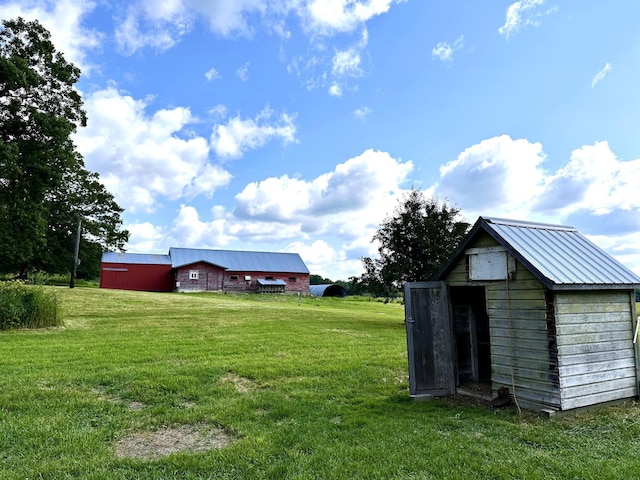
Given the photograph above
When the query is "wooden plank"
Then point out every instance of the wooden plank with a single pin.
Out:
(540, 363)
(588, 296)
(524, 373)
(619, 325)
(586, 400)
(538, 335)
(527, 317)
(530, 395)
(582, 348)
(634, 324)
(596, 377)
(587, 369)
(598, 387)
(515, 297)
(498, 351)
(592, 308)
(518, 324)
(522, 344)
(594, 357)
(590, 338)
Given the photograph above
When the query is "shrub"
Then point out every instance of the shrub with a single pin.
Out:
(27, 306)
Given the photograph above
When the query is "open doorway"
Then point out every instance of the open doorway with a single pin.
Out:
(471, 337)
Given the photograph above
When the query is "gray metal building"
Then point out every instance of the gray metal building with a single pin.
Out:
(531, 309)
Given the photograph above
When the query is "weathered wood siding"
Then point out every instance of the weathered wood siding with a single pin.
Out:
(596, 354)
(522, 340)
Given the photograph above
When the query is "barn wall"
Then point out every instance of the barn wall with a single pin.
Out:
(127, 276)
(295, 282)
(210, 278)
(596, 354)
(522, 341)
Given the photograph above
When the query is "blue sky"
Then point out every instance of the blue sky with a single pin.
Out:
(295, 125)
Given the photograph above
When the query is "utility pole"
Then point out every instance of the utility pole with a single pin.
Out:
(72, 282)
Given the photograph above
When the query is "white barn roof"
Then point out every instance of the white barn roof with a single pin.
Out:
(240, 261)
(136, 258)
(559, 256)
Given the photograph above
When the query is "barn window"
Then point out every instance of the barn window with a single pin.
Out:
(490, 263)
(233, 277)
(268, 278)
(194, 274)
(293, 279)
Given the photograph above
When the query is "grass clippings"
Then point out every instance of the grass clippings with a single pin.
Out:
(169, 440)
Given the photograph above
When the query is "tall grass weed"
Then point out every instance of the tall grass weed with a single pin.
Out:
(28, 306)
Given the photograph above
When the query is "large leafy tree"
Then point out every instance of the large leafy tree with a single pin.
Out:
(44, 186)
(413, 243)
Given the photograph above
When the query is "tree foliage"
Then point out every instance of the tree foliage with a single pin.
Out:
(414, 242)
(45, 187)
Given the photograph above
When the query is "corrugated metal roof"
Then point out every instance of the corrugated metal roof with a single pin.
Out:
(240, 261)
(135, 258)
(560, 256)
(279, 281)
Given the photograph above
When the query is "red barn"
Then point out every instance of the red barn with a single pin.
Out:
(136, 271)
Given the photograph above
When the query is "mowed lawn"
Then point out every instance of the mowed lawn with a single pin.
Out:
(160, 386)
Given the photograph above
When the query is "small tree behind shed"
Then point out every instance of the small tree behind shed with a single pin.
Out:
(413, 241)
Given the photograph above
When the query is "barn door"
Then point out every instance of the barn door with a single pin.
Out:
(429, 340)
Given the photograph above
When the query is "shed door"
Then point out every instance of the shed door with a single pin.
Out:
(429, 340)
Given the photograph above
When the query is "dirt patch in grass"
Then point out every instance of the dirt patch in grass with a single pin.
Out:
(132, 405)
(242, 385)
(168, 440)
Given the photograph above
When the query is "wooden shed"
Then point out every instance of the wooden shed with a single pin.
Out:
(533, 311)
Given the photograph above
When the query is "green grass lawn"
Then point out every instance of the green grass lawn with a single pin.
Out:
(253, 387)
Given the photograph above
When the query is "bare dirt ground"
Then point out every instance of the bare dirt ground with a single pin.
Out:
(174, 439)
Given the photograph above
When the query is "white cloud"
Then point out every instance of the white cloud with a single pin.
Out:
(444, 51)
(162, 24)
(521, 14)
(190, 231)
(63, 20)
(243, 72)
(335, 90)
(153, 24)
(332, 202)
(146, 238)
(346, 63)
(497, 174)
(319, 254)
(594, 180)
(212, 74)
(143, 158)
(237, 136)
(231, 17)
(601, 74)
(329, 16)
(362, 113)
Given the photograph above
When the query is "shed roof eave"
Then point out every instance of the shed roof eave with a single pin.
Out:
(593, 286)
